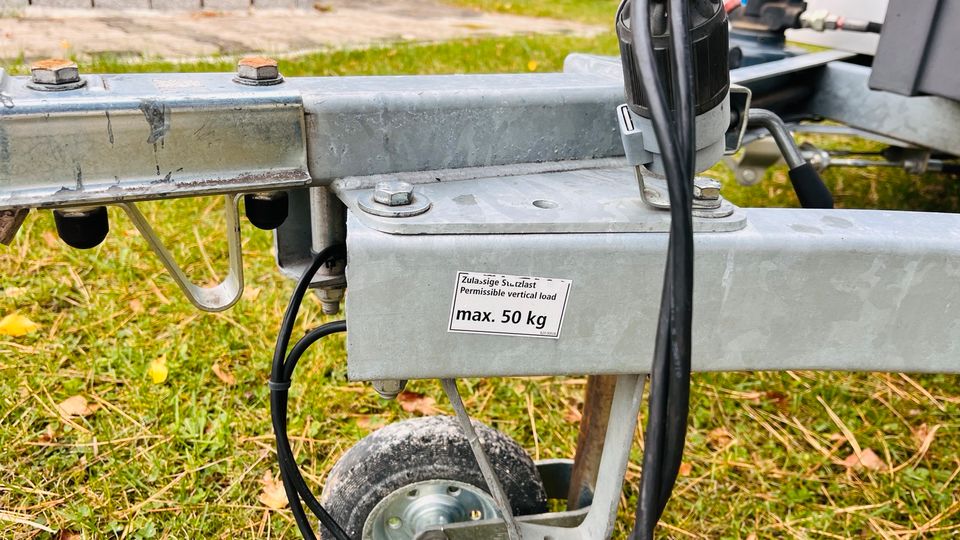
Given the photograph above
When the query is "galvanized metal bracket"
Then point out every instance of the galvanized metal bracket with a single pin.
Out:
(529, 201)
(218, 297)
(140, 138)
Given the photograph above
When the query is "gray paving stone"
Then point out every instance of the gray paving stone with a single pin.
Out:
(63, 3)
(226, 5)
(121, 4)
(283, 4)
(8, 5)
(165, 5)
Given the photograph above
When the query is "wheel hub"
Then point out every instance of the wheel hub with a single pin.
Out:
(412, 509)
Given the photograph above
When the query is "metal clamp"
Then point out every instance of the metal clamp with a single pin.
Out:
(220, 296)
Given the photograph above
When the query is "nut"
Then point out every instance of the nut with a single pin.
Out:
(393, 193)
(389, 389)
(257, 68)
(54, 71)
(706, 189)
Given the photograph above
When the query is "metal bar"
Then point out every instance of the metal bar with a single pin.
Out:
(601, 517)
(778, 130)
(151, 136)
(842, 94)
(143, 137)
(593, 424)
(486, 469)
(124, 138)
(826, 290)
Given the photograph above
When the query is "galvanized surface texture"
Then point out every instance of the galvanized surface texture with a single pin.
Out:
(795, 289)
(138, 137)
(150, 136)
(133, 137)
(589, 200)
(843, 94)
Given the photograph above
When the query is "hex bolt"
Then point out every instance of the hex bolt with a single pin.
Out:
(706, 189)
(329, 300)
(393, 193)
(54, 71)
(389, 389)
(258, 69)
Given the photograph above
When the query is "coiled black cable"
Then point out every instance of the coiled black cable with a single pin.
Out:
(280, 376)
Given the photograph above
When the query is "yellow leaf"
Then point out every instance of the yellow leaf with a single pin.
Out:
(273, 496)
(76, 406)
(17, 325)
(158, 370)
(532, 65)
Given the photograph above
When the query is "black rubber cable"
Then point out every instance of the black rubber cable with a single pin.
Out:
(672, 351)
(678, 393)
(280, 377)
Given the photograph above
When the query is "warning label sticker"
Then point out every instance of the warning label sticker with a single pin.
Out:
(508, 305)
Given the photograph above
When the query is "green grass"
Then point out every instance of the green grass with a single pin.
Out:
(183, 459)
(596, 11)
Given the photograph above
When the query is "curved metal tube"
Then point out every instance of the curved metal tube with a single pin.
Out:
(218, 297)
(774, 124)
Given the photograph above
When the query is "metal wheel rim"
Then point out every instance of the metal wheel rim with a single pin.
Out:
(413, 508)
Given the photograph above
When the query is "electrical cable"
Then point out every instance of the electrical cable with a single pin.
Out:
(678, 395)
(669, 377)
(281, 373)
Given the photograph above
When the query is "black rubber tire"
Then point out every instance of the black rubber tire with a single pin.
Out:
(427, 448)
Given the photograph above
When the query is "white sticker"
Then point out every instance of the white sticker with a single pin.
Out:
(508, 305)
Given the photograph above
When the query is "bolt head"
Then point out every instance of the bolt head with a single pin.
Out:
(389, 389)
(706, 189)
(54, 71)
(393, 193)
(257, 68)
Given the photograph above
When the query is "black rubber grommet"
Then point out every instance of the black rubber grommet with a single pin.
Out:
(267, 211)
(82, 228)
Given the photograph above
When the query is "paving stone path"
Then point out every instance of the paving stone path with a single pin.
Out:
(129, 29)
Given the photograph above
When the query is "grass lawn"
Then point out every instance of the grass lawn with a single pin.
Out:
(187, 457)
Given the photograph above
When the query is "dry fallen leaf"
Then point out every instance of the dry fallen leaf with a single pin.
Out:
(76, 406)
(415, 402)
(273, 496)
(572, 414)
(158, 370)
(17, 325)
(251, 293)
(370, 423)
(49, 434)
(50, 239)
(719, 438)
(868, 459)
(224, 375)
(136, 306)
(919, 434)
(14, 292)
(685, 468)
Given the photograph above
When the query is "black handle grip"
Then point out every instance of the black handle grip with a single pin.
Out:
(810, 189)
